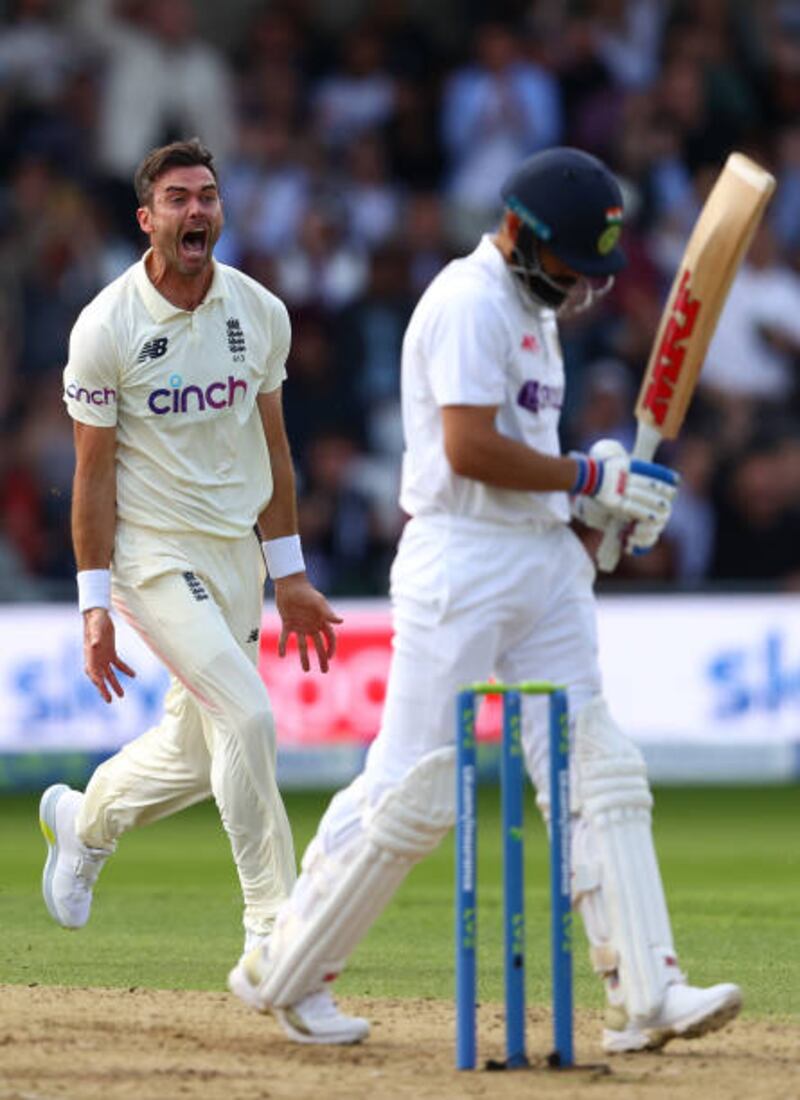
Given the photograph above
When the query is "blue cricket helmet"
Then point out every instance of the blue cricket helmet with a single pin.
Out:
(572, 203)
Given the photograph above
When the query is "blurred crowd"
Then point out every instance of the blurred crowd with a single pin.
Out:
(356, 159)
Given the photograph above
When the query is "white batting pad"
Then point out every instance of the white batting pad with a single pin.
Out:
(617, 881)
(346, 891)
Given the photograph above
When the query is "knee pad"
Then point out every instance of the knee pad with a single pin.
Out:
(344, 892)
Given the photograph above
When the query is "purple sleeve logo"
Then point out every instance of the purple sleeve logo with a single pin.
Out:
(105, 396)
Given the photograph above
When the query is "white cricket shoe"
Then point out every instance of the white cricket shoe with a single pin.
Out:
(313, 1019)
(687, 1012)
(316, 1019)
(71, 868)
(252, 940)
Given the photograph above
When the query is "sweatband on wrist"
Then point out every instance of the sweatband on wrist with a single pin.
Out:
(283, 556)
(94, 589)
(589, 477)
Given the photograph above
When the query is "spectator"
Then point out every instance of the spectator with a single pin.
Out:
(629, 34)
(369, 338)
(605, 407)
(691, 528)
(37, 54)
(371, 200)
(758, 529)
(160, 82)
(592, 102)
(424, 236)
(335, 521)
(46, 449)
(265, 190)
(785, 213)
(357, 96)
(755, 351)
(320, 393)
(324, 268)
(50, 256)
(495, 111)
(414, 145)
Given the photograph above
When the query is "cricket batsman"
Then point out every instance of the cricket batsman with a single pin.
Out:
(489, 578)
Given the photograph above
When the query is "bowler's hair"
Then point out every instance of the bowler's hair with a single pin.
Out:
(179, 154)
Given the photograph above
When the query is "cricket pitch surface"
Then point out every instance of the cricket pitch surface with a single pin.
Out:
(145, 1044)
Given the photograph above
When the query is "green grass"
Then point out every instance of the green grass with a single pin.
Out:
(167, 912)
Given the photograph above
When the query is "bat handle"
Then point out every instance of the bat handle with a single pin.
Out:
(610, 549)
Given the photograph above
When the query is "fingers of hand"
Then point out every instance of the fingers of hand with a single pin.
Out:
(120, 664)
(330, 638)
(643, 537)
(98, 674)
(322, 653)
(112, 679)
(101, 660)
(648, 499)
(324, 642)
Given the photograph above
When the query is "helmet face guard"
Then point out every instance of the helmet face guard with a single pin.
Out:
(567, 295)
(526, 264)
(570, 202)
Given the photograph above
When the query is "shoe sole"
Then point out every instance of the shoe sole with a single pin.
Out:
(47, 823)
(332, 1038)
(657, 1038)
(726, 1012)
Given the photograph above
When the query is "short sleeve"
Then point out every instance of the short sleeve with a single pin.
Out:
(278, 351)
(468, 352)
(91, 379)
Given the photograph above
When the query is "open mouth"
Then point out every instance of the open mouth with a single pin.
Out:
(193, 242)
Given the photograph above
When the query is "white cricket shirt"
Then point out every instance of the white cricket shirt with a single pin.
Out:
(180, 386)
(472, 341)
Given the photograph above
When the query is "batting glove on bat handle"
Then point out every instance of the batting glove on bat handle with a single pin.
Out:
(610, 549)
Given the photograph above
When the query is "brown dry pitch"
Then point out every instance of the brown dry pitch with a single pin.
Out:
(111, 1044)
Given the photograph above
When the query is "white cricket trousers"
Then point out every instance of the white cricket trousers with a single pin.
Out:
(197, 603)
(471, 600)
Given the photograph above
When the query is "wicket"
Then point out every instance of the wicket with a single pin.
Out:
(512, 782)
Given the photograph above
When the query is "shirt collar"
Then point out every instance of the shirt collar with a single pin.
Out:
(491, 255)
(495, 262)
(159, 307)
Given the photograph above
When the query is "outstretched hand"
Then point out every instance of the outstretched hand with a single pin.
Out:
(100, 653)
(305, 612)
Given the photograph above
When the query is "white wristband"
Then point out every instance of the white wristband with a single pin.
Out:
(283, 556)
(94, 589)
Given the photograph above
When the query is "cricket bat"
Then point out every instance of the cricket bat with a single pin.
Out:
(719, 240)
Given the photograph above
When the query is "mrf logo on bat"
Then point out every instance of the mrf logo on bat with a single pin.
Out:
(672, 351)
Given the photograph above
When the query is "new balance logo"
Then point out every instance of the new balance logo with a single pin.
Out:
(196, 586)
(153, 349)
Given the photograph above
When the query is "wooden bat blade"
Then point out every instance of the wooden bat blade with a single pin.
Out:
(713, 253)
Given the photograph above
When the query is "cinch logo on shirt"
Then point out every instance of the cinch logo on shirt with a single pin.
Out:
(535, 396)
(181, 399)
(106, 396)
